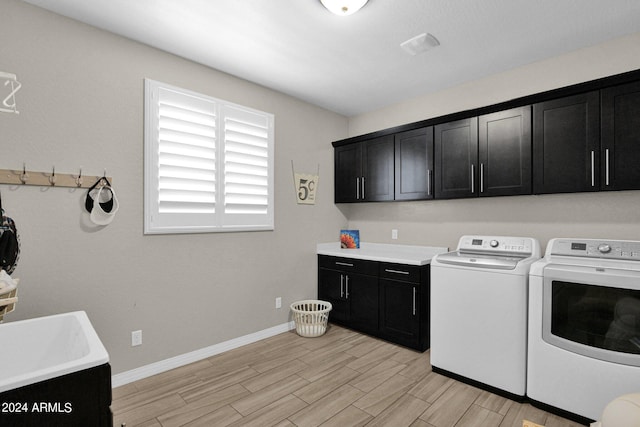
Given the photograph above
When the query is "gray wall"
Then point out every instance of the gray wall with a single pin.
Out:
(614, 215)
(81, 104)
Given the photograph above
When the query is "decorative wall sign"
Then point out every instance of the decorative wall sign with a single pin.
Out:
(9, 85)
(306, 186)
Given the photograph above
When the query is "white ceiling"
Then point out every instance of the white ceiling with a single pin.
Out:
(354, 64)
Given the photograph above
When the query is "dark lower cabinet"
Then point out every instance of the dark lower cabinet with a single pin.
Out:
(362, 295)
(399, 312)
(566, 144)
(331, 289)
(404, 304)
(81, 398)
(620, 139)
(351, 286)
(390, 301)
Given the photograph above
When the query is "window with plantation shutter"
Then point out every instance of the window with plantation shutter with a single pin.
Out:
(208, 163)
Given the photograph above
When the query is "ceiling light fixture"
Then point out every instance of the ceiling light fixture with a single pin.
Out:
(343, 7)
(420, 43)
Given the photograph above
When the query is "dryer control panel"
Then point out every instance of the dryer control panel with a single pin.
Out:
(594, 248)
(524, 246)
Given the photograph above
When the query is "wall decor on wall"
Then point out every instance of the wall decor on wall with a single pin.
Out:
(306, 186)
(350, 239)
(9, 85)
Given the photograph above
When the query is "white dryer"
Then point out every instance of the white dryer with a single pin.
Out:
(584, 326)
(479, 312)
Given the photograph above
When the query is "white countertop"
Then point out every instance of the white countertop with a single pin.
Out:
(401, 254)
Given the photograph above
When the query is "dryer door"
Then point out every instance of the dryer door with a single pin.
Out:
(593, 311)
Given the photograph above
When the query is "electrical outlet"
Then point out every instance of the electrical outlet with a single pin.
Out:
(279, 302)
(526, 423)
(394, 234)
(136, 338)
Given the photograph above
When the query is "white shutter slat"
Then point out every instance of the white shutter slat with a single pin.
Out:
(186, 154)
(246, 162)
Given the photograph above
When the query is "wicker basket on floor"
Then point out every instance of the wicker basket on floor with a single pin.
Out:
(310, 317)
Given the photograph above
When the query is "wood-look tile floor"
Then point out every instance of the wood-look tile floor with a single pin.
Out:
(340, 379)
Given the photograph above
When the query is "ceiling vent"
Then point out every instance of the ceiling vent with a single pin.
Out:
(419, 44)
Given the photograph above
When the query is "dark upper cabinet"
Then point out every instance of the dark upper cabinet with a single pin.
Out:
(377, 171)
(348, 171)
(576, 139)
(414, 164)
(566, 141)
(620, 138)
(455, 159)
(504, 153)
(364, 171)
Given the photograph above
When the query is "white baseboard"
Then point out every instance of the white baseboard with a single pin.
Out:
(194, 356)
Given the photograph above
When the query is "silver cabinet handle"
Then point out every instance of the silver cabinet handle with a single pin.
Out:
(428, 182)
(482, 177)
(396, 271)
(357, 188)
(341, 286)
(414, 300)
(606, 166)
(346, 264)
(346, 287)
(363, 193)
(593, 164)
(473, 190)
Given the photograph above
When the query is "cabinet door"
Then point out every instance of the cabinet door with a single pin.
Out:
(348, 171)
(377, 162)
(456, 157)
(399, 311)
(566, 154)
(331, 289)
(362, 294)
(504, 152)
(620, 143)
(414, 164)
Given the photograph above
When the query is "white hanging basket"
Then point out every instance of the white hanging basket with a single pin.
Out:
(310, 317)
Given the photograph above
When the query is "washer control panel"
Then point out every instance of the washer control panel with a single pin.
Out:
(593, 248)
(497, 244)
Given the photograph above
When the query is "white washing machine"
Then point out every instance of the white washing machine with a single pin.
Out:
(479, 312)
(584, 325)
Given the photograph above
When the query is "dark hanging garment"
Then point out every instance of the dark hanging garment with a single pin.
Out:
(9, 242)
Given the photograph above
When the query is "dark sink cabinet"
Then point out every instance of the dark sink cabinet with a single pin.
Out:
(620, 138)
(364, 171)
(566, 148)
(351, 286)
(390, 301)
(404, 297)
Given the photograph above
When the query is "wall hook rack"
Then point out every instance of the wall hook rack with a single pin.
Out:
(49, 179)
